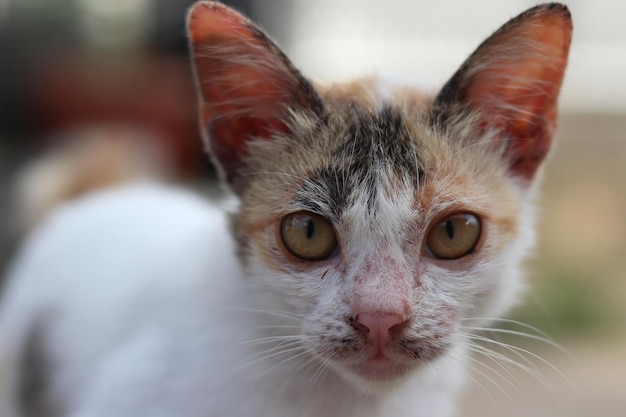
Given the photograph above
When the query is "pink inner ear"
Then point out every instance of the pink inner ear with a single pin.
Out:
(517, 82)
(246, 84)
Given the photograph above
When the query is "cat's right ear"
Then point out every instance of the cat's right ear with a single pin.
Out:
(247, 87)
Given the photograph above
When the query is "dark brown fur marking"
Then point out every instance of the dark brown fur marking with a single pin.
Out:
(372, 143)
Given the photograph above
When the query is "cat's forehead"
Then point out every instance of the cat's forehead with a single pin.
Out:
(377, 143)
(363, 152)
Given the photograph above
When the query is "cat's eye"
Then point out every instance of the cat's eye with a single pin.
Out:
(454, 237)
(308, 236)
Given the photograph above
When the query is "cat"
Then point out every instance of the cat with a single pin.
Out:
(84, 160)
(374, 224)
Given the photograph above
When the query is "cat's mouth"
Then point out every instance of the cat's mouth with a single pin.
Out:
(395, 361)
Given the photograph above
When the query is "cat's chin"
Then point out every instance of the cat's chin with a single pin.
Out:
(379, 373)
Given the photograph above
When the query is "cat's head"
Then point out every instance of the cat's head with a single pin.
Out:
(383, 218)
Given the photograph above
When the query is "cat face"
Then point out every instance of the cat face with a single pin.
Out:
(381, 217)
(370, 195)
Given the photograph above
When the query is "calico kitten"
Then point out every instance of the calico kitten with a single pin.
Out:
(374, 223)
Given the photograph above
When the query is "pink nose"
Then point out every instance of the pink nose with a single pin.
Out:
(379, 328)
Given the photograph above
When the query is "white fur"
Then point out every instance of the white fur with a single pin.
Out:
(145, 313)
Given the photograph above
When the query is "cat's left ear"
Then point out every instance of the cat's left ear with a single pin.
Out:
(512, 81)
(247, 87)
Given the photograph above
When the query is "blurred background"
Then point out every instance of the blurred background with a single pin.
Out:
(82, 73)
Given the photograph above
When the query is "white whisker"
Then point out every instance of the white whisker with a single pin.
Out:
(270, 339)
(522, 352)
(468, 375)
(265, 356)
(525, 335)
(501, 358)
(498, 374)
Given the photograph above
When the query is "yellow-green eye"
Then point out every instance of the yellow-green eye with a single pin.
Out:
(454, 237)
(308, 236)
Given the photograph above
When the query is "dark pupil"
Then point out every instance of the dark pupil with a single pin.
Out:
(450, 229)
(310, 229)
